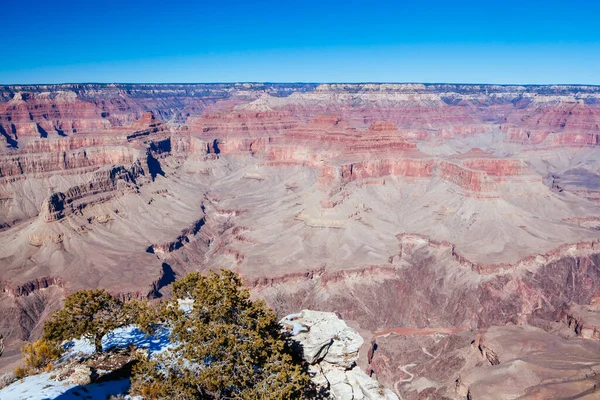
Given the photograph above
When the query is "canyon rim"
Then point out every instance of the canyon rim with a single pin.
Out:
(455, 227)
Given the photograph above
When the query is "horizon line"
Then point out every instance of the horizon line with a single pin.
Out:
(302, 83)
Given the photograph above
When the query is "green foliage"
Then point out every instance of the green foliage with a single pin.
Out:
(228, 346)
(37, 356)
(143, 314)
(88, 313)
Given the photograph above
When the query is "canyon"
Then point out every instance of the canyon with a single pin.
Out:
(456, 228)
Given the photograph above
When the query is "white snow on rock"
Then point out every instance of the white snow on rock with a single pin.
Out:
(331, 347)
(43, 387)
(122, 337)
(186, 305)
(290, 320)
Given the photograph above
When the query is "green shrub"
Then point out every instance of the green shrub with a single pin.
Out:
(88, 313)
(40, 354)
(227, 346)
(37, 356)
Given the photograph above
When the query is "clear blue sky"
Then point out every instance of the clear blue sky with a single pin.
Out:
(485, 41)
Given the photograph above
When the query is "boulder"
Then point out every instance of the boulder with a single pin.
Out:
(75, 373)
(325, 337)
(81, 375)
(331, 348)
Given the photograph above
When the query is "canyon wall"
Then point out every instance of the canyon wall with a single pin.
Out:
(411, 210)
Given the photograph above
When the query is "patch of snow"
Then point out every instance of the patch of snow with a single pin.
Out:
(297, 327)
(42, 387)
(122, 337)
(185, 305)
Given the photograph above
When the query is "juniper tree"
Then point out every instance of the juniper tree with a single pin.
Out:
(88, 313)
(226, 346)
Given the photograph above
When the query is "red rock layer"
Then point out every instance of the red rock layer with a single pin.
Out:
(468, 179)
(487, 269)
(558, 123)
(246, 123)
(327, 141)
(382, 167)
(65, 160)
(43, 114)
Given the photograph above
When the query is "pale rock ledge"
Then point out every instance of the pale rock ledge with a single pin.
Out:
(331, 348)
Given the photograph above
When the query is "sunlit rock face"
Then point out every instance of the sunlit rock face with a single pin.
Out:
(330, 348)
(454, 207)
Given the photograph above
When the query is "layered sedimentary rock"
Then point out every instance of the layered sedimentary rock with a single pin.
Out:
(428, 209)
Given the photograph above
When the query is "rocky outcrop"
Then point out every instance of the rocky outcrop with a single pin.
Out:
(76, 374)
(584, 320)
(179, 241)
(86, 159)
(53, 208)
(29, 287)
(470, 180)
(331, 349)
(116, 363)
(104, 185)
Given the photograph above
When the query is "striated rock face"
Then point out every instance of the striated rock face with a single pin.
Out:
(475, 181)
(53, 207)
(331, 348)
(428, 212)
(103, 185)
